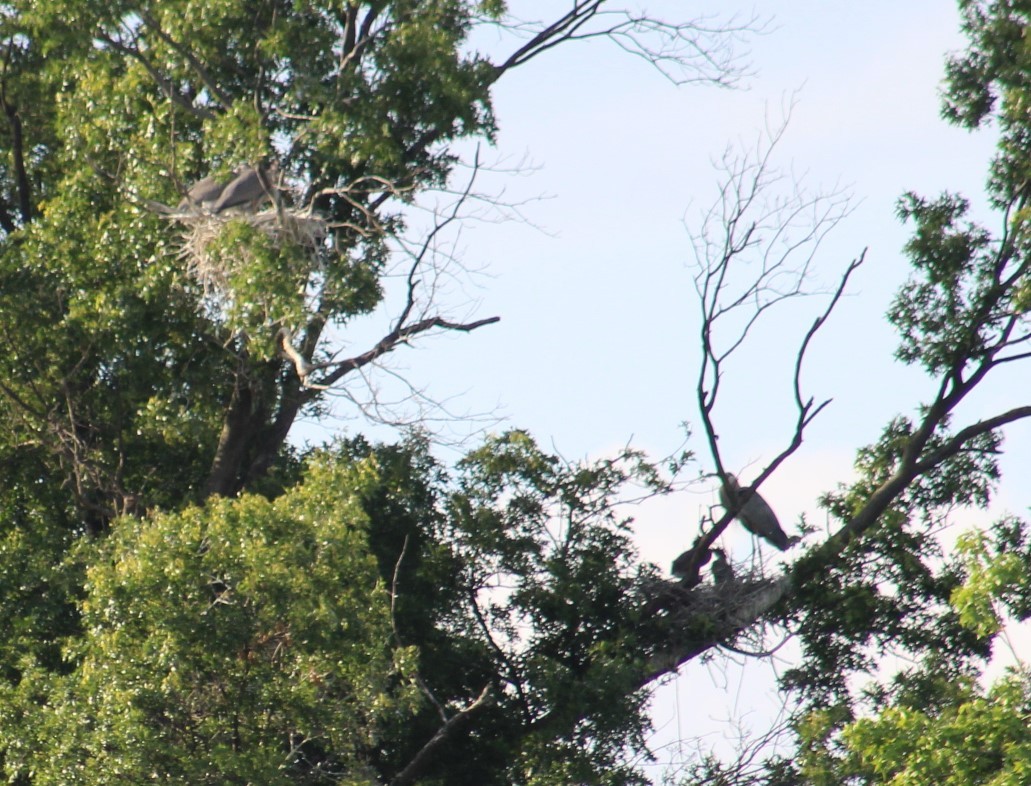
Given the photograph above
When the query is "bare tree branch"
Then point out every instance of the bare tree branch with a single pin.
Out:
(754, 251)
(399, 336)
(698, 50)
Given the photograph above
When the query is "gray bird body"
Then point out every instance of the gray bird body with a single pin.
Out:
(203, 193)
(754, 513)
(722, 572)
(247, 191)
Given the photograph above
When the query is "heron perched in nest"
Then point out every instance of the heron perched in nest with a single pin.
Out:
(204, 193)
(722, 572)
(248, 189)
(754, 513)
(690, 562)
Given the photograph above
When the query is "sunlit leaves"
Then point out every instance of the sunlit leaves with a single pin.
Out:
(220, 634)
(990, 81)
(982, 738)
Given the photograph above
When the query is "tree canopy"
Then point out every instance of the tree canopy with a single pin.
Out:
(188, 597)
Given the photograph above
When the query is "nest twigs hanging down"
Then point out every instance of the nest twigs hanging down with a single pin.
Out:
(212, 269)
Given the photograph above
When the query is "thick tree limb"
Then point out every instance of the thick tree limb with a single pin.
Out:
(451, 727)
(244, 417)
(783, 587)
(747, 607)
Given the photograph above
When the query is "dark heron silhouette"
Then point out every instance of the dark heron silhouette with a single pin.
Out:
(754, 513)
(688, 563)
(722, 572)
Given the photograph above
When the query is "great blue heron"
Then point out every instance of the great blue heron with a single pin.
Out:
(204, 193)
(251, 187)
(246, 190)
(754, 513)
(722, 572)
(688, 563)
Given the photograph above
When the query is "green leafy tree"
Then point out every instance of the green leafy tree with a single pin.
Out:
(239, 642)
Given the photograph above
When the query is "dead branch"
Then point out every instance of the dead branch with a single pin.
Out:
(439, 226)
(403, 330)
(754, 251)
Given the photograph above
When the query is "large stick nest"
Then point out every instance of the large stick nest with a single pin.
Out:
(213, 270)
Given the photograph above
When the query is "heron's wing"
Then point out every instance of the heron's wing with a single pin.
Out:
(205, 190)
(246, 188)
(758, 517)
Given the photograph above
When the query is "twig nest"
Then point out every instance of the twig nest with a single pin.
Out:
(223, 250)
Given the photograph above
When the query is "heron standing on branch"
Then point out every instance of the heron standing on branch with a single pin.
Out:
(754, 513)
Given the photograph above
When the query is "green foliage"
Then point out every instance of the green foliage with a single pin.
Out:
(38, 587)
(959, 307)
(986, 578)
(120, 105)
(931, 312)
(989, 82)
(182, 599)
(982, 738)
(246, 641)
(893, 586)
(522, 574)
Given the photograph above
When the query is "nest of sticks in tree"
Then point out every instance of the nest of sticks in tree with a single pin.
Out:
(737, 598)
(206, 259)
